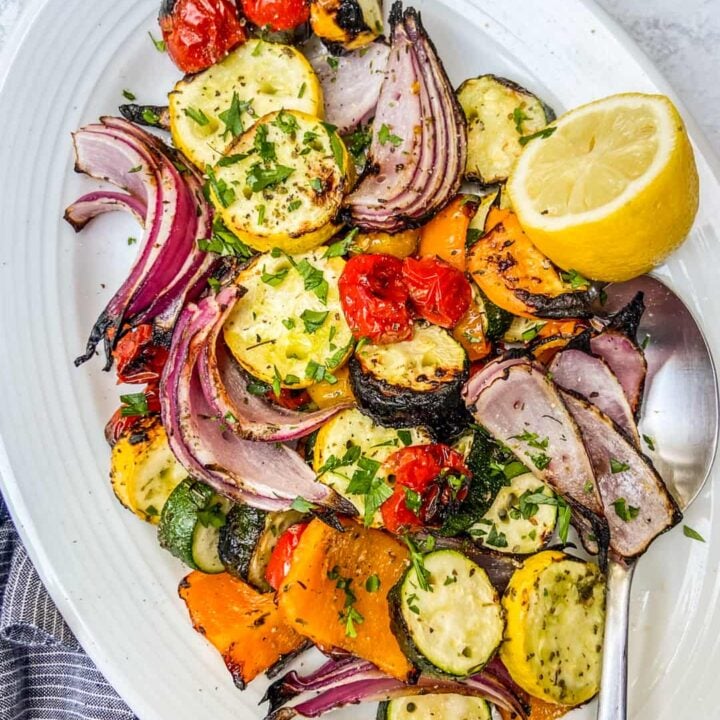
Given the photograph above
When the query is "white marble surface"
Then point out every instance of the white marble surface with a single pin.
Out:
(682, 37)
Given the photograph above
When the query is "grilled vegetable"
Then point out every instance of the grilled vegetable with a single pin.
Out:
(483, 323)
(445, 236)
(208, 111)
(434, 707)
(143, 470)
(245, 626)
(276, 17)
(328, 394)
(490, 199)
(521, 519)
(247, 540)
(446, 614)
(369, 445)
(289, 327)
(197, 33)
(148, 115)
(329, 596)
(401, 245)
(415, 382)
(555, 609)
(190, 525)
(519, 278)
(500, 115)
(282, 555)
(350, 23)
(281, 184)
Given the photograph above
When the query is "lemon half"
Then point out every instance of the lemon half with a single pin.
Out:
(611, 189)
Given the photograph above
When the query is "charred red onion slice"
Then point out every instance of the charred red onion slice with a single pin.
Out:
(169, 268)
(486, 375)
(89, 206)
(367, 687)
(420, 168)
(590, 376)
(351, 84)
(226, 389)
(626, 477)
(269, 476)
(627, 362)
(520, 406)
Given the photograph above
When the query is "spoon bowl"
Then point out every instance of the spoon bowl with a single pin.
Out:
(679, 427)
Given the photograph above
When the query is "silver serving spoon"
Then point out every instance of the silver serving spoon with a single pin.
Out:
(680, 414)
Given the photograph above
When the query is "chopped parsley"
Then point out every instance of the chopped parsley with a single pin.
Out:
(274, 279)
(150, 116)
(692, 534)
(224, 243)
(319, 373)
(132, 240)
(413, 500)
(349, 616)
(351, 456)
(372, 584)
(137, 168)
(258, 388)
(159, 44)
(336, 145)
(375, 490)
(650, 442)
(302, 90)
(289, 323)
(302, 505)
(261, 214)
(472, 236)
(286, 122)
(260, 178)
(316, 185)
(405, 437)
(294, 205)
(232, 117)
(333, 62)
(197, 116)
(546, 133)
(342, 247)
(228, 160)
(128, 95)
(223, 192)
(519, 117)
(564, 517)
(617, 467)
(314, 320)
(134, 405)
(264, 147)
(540, 460)
(385, 137)
(624, 511)
(575, 279)
(357, 144)
(495, 538)
(418, 563)
(277, 382)
(214, 284)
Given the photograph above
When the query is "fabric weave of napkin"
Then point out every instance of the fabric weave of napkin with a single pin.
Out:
(44, 673)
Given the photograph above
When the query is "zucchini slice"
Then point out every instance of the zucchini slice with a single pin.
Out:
(352, 429)
(434, 707)
(190, 525)
(555, 607)
(499, 114)
(281, 184)
(281, 331)
(523, 330)
(247, 540)
(255, 79)
(476, 228)
(350, 23)
(455, 625)
(515, 523)
(416, 382)
(144, 471)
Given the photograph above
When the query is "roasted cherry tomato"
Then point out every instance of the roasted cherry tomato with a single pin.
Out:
(119, 423)
(439, 292)
(374, 298)
(276, 15)
(290, 399)
(426, 476)
(198, 33)
(279, 565)
(138, 359)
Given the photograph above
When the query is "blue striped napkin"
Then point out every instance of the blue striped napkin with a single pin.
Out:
(44, 673)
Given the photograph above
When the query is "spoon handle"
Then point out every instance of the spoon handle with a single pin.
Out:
(613, 687)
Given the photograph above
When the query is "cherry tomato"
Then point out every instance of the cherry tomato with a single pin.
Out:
(374, 298)
(439, 292)
(138, 359)
(420, 473)
(277, 15)
(281, 557)
(290, 399)
(120, 424)
(198, 33)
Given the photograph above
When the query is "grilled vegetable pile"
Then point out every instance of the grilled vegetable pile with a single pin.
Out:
(373, 410)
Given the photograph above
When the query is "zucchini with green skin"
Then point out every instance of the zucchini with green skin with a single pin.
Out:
(247, 540)
(521, 519)
(190, 525)
(500, 114)
(446, 614)
(434, 707)
(413, 383)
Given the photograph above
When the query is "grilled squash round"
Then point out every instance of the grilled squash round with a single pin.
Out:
(555, 606)
(210, 109)
(435, 707)
(282, 183)
(289, 327)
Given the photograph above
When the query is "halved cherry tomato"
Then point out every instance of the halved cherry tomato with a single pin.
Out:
(445, 236)
(138, 359)
(420, 472)
(279, 565)
(277, 15)
(199, 33)
(374, 298)
(439, 292)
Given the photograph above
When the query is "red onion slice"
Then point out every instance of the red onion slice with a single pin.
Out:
(89, 206)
